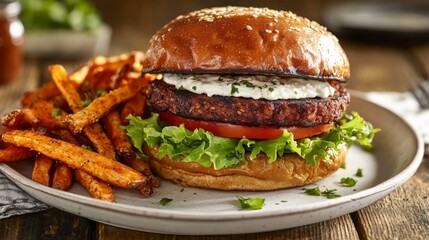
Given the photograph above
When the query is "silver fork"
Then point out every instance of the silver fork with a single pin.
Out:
(421, 93)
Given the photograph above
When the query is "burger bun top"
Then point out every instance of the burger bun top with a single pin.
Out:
(239, 40)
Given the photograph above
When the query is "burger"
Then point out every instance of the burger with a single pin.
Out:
(247, 99)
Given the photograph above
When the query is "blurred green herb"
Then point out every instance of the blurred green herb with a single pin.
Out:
(359, 172)
(251, 203)
(348, 182)
(77, 15)
(165, 201)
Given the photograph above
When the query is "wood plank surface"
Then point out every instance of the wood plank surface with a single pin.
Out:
(50, 224)
(9, 94)
(403, 214)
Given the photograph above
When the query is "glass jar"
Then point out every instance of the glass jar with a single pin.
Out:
(11, 41)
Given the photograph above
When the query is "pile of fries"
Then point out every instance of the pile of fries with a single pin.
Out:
(70, 126)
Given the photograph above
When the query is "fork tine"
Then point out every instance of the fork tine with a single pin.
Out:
(421, 94)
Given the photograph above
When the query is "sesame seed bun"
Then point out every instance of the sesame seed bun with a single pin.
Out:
(240, 40)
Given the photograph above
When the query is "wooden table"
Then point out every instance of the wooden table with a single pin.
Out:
(403, 214)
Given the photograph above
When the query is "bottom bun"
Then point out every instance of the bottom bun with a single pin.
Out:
(288, 171)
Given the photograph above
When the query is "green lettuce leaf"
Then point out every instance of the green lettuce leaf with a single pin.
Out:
(200, 146)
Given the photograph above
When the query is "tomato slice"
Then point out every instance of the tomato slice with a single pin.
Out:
(238, 131)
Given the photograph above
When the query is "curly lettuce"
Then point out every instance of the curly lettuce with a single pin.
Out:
(203, 147)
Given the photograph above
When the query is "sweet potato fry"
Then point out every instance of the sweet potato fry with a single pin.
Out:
(94, 131)
(76, 157)
(96, 188)
(46, 91)
(112, 123)
(143, 167)
(102, 105)
(65, 86)
(62, 178)
(102, 143)
(12, 153)
(42, 169)
(134, 106)
(46, 114)
(14, 119)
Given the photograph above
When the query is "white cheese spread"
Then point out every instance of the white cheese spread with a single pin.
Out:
(252, 86)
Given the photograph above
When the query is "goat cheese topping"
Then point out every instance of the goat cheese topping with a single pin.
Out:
(251, 86)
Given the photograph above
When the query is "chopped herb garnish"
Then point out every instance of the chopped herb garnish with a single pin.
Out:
(56, 113)
(164, 201)
(247, 84)
(348, 182)
(359, 172)
(283, 201)
(85, 85)
(182, 87)
(270, 89)
(194, 88)
(330, 193)
(100, 93)
(220, 79)
(251, 203)
(86, 147)
(85, 103)
(234, 89)
(181, 190)
(312, 191)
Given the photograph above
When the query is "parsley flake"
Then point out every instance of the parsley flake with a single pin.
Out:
(312, 191)
(328, 193)
(100, 93)
(86, 147)
(56, 113)
(234, 89)
(85, 85)
(359, 172)
(348, 182)
(331, 193)
(165, 201)
(85, 103)
(251, 203)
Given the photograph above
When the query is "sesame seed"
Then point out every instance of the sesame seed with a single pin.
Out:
(268, 31)
(248, 27)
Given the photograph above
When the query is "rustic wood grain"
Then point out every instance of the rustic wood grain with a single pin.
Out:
(403, 214)
(49, 224)
(378, 68)
(338, 228)
(9, 94)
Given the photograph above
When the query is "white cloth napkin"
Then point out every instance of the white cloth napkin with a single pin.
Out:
(13, 201)
(406, 106)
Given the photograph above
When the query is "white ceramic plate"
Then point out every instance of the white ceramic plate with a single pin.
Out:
(399, 151)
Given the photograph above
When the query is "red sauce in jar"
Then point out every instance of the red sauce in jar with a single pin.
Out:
(11, 41)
